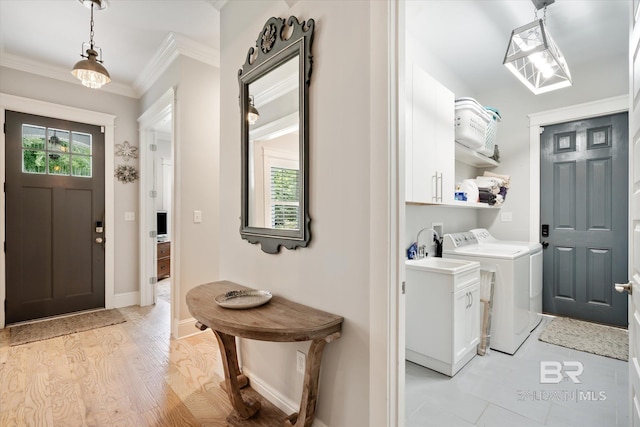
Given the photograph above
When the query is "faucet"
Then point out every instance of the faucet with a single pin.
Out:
(422, 249)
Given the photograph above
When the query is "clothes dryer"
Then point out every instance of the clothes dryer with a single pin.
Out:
(535, 271)
(510, 312)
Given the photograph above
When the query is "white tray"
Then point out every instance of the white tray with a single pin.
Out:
(243, 299)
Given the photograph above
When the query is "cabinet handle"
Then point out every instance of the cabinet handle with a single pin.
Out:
(471, 296)
(434, 187)
(440, 198)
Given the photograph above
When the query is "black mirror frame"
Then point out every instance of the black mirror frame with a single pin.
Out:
(271, 51)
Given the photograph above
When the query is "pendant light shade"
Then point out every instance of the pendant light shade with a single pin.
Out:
(252, 115)
(90, 70)
(534, 58)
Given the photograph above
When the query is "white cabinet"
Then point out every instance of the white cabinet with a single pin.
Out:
(429, 139)
(466, 325)
(442, 314)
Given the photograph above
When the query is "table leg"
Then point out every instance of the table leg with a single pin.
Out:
(231, 373)
(310, 388)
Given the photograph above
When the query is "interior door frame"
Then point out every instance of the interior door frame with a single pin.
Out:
(603, 107)
(58, 111)
(147, 255)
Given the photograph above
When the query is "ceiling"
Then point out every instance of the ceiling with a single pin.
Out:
(131, 33)
(473, 42)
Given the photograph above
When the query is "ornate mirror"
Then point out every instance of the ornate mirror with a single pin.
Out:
(274, 84)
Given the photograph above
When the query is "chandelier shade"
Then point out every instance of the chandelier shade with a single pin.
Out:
(535, 59)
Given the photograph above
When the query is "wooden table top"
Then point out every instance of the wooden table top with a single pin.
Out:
(278, 320)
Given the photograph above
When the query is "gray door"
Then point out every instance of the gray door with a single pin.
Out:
(54, 201)
(583, 212)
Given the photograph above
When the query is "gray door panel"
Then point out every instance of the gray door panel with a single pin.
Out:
(584, 200)
(54, 265)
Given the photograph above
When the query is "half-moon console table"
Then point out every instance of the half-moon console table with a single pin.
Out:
(279, 320)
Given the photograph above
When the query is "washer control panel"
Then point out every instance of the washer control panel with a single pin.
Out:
(458, 240)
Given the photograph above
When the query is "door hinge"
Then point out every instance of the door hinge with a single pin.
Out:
(153, 280)
(541, 130)
(153, 233)
(101, 129)
(153, 147)
(403, 288)
(153, 194)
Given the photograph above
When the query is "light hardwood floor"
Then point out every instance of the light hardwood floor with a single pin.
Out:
(131, 374)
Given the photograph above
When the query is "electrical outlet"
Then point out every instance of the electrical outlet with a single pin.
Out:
(301, 360)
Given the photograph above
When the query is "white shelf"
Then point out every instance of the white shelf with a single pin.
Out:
(458, 204)
(473, 158)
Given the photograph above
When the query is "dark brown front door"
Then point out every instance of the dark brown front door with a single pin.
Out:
(584, 206)
(54, 202)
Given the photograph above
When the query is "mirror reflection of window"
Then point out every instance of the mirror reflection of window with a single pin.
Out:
(274, 181)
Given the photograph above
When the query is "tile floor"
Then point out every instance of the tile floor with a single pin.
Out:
(498, 390)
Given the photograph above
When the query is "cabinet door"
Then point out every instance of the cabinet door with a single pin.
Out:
(466, 334)
(430, 148)
(472, 320)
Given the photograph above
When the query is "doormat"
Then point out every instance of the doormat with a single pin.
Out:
(47, 329)
(593, 338)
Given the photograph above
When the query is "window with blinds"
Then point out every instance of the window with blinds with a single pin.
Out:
(285, 198)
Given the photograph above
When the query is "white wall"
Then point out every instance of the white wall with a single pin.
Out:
(593, 81)
(347, 201)
(195, 246)
(126, 195)
(597, 81)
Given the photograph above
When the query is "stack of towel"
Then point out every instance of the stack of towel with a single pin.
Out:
(492, 187)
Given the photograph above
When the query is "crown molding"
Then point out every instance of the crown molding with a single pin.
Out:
(173, 46)
(218, 4)
(54, 72)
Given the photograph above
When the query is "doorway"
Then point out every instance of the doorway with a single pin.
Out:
(584, 214)
(158, 231)
(54, 217)
(105, 121)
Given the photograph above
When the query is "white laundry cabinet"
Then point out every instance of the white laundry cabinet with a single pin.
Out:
(442, 313)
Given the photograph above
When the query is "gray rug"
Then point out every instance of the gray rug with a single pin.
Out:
(586, 336)
(47, 329)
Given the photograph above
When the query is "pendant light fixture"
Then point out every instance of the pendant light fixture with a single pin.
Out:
(90, 70)
(534, 58)
(252, 115)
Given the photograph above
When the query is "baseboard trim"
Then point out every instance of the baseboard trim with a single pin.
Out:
(185, 328)
(126, 299)
(282, 402)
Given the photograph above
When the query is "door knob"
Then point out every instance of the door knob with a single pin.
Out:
(545, 245)
(99, 240)
(624, 287)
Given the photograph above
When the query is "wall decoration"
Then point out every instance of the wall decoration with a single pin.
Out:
(126, 173)
(126, 151)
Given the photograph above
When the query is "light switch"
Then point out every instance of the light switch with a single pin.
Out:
(129, 216)
(506, 216)
(197, 217)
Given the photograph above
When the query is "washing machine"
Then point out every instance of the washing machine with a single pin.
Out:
(510, 309)
(535, 271)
